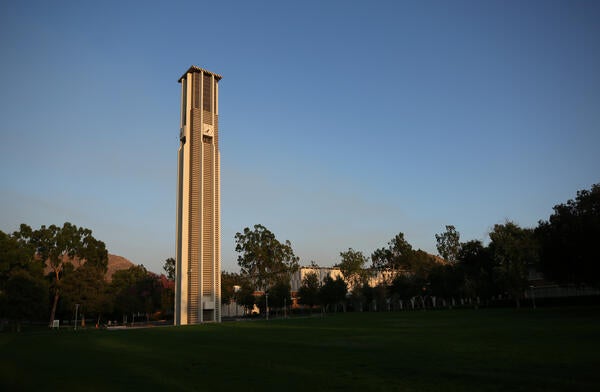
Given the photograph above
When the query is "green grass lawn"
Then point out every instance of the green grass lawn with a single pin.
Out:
(488, 349)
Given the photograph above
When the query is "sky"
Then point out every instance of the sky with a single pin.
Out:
(342, 123)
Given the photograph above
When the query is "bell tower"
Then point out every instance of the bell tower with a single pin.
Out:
(198, 252)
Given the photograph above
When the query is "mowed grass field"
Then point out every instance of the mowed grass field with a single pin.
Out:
(478, 350)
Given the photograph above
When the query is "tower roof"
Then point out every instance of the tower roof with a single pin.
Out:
(193, 68)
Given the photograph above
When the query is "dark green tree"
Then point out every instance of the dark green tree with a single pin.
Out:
(16, 253)
(405, 287)
(421, 263)
(333, 292)
(263, 259)
(245, 296)
(448, 244)
(308, 293)
(478, 270)
(569, 240)
(24, 297)
(352, 267)
(445, 281)
(61, 245)
(393, 259)
(366, 295)
(400, 258)
(381, 295)
(280, 295)
(229, 281)
(23, 289)
(167, 296)
(130, 290)
(87, 287)
(150, 290)
(514, 250)
(169, 268)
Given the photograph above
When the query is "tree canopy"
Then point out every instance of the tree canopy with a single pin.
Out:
(513, 250)
(393, 259)
(308, 293)
(169, 268)
(23, 290)
(448, 244)
(61, 245)
(333, 292)
(352, 267)
(478, 270)
(569, 240)
(280, 294)
(263, 258)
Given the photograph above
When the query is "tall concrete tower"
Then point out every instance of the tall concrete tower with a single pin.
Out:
(198, 253)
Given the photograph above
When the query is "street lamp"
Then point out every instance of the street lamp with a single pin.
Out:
(267, 304)
(532, 296)
(76, 309)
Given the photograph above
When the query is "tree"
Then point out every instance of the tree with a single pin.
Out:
(400, 257)
(365, 293)
(129, 288)
(448, 244)
(263, 259)
(245, 296)
(16, 254)
(228, 282)
(333, 292)
(23, 290)
(308, 293)
(137, 290)
(569, 240)
(352, 267)
(86, 286)
(167, 295)
(279, 295)
(513, 250)
(445, 281)
(381, 296)
(24, 297)
(61, 245)
(393, 259)
(150, 291)
(405, 287)
(478, 270)
(421, 263)
(169, 268)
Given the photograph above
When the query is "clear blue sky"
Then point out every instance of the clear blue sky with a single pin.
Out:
(342, 123)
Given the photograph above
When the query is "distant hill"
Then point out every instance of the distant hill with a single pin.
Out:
(115, 263)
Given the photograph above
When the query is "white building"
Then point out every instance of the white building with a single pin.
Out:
(375, 278)
(321, 272)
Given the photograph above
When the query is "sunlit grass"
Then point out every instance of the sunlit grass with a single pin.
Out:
(496, 350)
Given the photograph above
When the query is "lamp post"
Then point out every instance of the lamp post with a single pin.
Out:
(267, 304)
(532, 296)
(76, 309)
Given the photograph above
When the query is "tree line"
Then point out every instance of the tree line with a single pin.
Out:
(57, 270)
(563, 248)
(49, 272)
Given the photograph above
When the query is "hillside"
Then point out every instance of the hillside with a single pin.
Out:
(115, 263)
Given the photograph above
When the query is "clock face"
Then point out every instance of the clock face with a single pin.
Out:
(208, 131)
